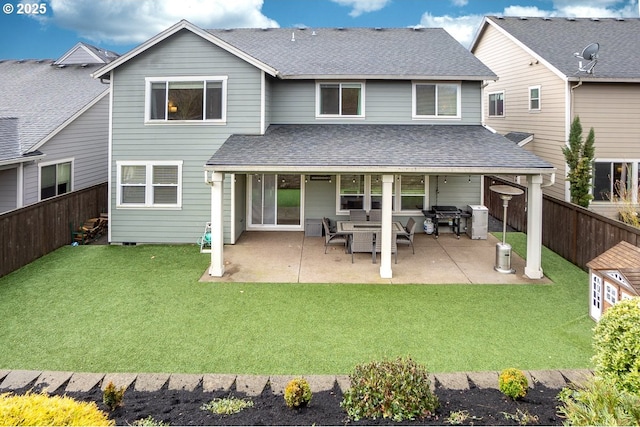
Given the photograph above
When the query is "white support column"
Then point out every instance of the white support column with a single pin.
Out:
(385, 234)
(216, 181)
(533, 267)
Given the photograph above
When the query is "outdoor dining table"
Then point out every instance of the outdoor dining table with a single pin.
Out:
(350, 227)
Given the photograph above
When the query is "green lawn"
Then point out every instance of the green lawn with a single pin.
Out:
(142, 309)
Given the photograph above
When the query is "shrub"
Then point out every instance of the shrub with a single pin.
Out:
(149, 422)
(599, 402)
(297, 393)
(616, 344)
(513, 383)
(227, 406)
(398, 389)
(41, 409)
(112, 396)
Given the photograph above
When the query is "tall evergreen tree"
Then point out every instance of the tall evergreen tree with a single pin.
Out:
(579, 157)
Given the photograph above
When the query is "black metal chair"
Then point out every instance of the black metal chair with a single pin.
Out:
(333, 238)
(407, 239)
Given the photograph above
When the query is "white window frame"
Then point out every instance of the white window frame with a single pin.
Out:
(499, 92)
(414, 101)
(186, 79)
(610, 293)
(635, 177)
(340, 115)
(51, 163)
(148, 204)
(539, 98)
(397, 195)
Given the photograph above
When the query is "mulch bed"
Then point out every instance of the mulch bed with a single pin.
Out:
(483, 406)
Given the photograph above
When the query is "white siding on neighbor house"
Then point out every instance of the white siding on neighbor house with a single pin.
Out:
(517, 71)
(184, 54)
(8, 189)
(85, 141)
(386, 102)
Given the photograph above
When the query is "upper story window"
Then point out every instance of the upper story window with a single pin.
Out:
(436, 100)
(340, 99)
(496, 104)
(149, 184)
(193, 99)
(534, 98)
(55, 178)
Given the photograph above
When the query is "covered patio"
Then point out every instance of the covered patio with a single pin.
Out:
(267, 257)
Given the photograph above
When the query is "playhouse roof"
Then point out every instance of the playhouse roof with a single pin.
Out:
(623, 257)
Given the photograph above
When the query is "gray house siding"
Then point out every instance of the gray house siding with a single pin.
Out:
(386, 102)
(8, 183)
(183, 54)
(84, 142)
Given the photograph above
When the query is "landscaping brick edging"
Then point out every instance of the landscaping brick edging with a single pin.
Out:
(253, 385)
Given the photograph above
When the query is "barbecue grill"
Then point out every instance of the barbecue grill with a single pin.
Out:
(449, 213)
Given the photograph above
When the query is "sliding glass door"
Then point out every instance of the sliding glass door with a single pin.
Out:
(275, 201)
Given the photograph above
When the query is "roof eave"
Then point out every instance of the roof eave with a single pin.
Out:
(183, 24)
(22, 159)
(596, 79)
(285, 76)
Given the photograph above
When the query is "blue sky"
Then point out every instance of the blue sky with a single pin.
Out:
(120, 25)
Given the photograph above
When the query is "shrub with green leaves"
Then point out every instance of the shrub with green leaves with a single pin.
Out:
(227, 406)
(113, 396)
(513, 383)
(398, 389)
(616, 344)
(297, 393)
(40, 409)
(599, 402)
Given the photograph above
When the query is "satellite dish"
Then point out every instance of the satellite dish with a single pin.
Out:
(589, 53)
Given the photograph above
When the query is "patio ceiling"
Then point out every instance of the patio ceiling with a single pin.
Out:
(468, 149)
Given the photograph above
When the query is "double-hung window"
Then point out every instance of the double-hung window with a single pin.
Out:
(534, 98)
(340, 99)
(55, 178)
(436, 100)
(496, 104)
(149, 184)
(186, 99)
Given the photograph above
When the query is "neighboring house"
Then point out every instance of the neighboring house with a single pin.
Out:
(54, 126)
(291, 125)
(614, 276)
(540, 89)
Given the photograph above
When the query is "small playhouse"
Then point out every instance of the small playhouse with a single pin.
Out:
(614, 275)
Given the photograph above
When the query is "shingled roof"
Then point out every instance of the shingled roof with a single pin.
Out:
(39, 97)
(367, 52)
(623, 257)
(555, 40)
(424, 148)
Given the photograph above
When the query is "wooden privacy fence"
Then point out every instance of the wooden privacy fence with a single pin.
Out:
(28, 233)
(573, 232)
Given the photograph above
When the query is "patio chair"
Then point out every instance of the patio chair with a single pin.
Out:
(357, 215)
(407, 239)
(333, 238)
(362, 241)
(394, 244)
(375, 215)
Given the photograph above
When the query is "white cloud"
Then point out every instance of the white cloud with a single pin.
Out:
(461, 28)
(134, 21)
(460, 3)
(362, 6)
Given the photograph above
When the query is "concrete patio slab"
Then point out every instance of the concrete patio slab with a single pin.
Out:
(119, 380)
(252, 385)
(293, 258)
(83, 381)
(51, 381)
(577, 376)
(150, 382)
(488, 379)
(187, 382)
(453, 380)
(19, 379)
(215, 382)
(320, 382)
(343, 382)
(550, 379)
